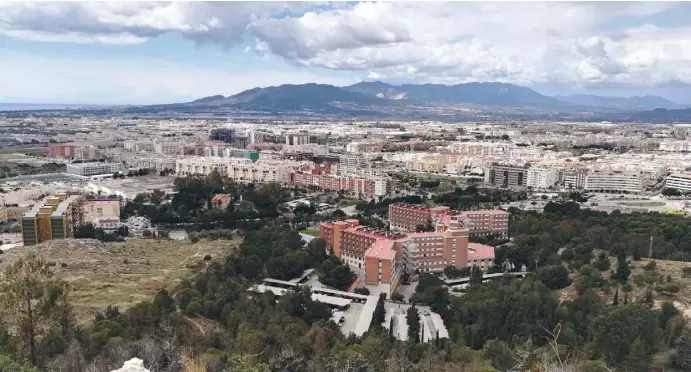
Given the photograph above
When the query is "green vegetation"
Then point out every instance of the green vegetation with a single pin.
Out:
(192, 203)
(643, 204)
(21, 169)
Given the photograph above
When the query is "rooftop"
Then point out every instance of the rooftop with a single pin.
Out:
(480, 251)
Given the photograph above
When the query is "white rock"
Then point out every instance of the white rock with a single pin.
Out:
(133, 365)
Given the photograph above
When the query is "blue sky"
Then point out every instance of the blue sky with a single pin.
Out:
(141, 53)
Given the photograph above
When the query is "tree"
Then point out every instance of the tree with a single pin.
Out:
(682, 354)
(35, 304)
(623, 271)
(554, 276)
(413, 319)
(615, 301)
(397, 297)
(476, 275)
(379, 315)
(362, 291)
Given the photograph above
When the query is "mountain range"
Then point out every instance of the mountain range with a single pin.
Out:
(329, 98)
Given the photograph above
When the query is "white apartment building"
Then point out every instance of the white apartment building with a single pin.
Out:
(199, 165)
(679, 181)
(479, 148)
(239, 169)
(615, 180)
(675, 146)
(297, 139)
(542, 177)
(92, 169)
(363, 147)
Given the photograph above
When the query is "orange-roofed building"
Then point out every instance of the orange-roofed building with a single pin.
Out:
(220, 201)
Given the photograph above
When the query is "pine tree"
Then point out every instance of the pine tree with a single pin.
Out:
(623, 271)
(475, 275)
(615, 302)
(391, 327)
(648, 297)
(626, 298)
(413, 319)
(379, 315)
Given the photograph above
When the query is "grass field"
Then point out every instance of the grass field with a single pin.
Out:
(314, 233)
(122, 274)
(643, 204)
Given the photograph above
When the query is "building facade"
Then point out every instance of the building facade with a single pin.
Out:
(506, 176)
(679, 181)
(615, 181)
(542, 178)
(93, 169)
(56, 217)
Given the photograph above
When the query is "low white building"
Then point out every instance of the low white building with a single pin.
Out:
(679, 181)
(92, 169)
(615, 181)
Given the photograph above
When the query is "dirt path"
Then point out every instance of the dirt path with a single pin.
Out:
(199, 326)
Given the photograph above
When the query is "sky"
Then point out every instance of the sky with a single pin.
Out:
(164, 52)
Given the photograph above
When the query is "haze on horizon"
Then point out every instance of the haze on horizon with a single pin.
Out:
(143, 53)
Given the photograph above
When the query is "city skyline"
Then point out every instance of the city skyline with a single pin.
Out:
(146, 53)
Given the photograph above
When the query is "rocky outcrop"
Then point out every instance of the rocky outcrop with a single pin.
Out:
(133, 365)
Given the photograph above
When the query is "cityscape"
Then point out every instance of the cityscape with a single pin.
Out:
(338, 188)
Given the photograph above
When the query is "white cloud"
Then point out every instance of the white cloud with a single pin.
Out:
(125, 81)
(444, 42)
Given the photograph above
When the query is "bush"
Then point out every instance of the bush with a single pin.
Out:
(554, 277)
(207, 257)
(362, 291)
(397, 297)
(194, 238)
(194, 308)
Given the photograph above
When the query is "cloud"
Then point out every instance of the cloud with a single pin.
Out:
(442, 42)
(122, 81)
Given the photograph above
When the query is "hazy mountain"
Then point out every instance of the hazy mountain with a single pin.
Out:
(489, 94)
(637, 103)
(319, 97)
(661, 115)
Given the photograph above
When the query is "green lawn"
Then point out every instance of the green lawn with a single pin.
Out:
(643, 204)
(314, 233)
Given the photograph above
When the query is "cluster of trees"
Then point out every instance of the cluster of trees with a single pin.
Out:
(539, 236)
(473, 198)
(88, 231)
(20, 169)
(191, 204)
(133, 173)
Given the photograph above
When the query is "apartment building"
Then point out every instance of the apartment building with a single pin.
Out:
(380, 256)
(676, 146)
(679, 181)
(364, 147)
(486, 222)
(365, 185)
(93, 169)
(506, 176)
(71, 151)
(615, 181)
(3, 214)
(573, 178)
(407, 217)
(542, 178)
(296, 139)
(55, 217)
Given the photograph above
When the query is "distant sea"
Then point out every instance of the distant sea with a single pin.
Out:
(40, 106)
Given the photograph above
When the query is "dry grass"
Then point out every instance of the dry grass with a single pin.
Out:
(122, 274)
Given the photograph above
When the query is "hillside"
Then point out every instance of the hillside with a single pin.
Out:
(637, 103)
(120, 274)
